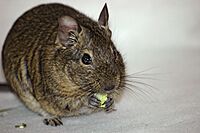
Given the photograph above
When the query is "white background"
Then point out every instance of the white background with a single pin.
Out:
(138, 25)
(160, 34)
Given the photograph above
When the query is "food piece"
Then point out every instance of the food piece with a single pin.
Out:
(102, 98)
(21, 125)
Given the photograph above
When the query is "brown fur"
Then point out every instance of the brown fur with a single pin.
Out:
(47, 75)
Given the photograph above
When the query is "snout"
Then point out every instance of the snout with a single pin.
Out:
(109, 88)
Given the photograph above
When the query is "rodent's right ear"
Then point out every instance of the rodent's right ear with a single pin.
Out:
(104, 16)
(103, 19)
(68, 30)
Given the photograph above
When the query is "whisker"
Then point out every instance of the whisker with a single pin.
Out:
(140, 92)
(140, 77)
(147, 74)
(128, 80)
(144, 74)
(145, 84)
(133, 83)
(140, 89)
(146, 70)
(132, 92)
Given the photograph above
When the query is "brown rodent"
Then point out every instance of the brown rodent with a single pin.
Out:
(56, 58)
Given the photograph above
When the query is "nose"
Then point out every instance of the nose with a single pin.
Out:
(109, 88)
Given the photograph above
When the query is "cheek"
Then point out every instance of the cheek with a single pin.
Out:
(71, 72)
(78, 74)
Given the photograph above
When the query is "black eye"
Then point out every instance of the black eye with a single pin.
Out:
(86, 59)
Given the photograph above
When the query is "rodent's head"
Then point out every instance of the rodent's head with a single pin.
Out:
(91, 60)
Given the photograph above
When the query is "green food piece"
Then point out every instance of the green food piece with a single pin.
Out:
(102, 98)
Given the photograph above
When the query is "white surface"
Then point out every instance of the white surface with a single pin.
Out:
(150, 33)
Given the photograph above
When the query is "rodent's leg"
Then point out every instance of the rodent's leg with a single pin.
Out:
(54, 121)
(22, 86)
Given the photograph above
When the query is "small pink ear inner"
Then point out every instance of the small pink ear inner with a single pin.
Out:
(66, 29)
(67, 23)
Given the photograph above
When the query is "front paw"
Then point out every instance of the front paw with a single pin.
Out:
(55, 121)
(94, 102)
(108, 104)
(101, 101)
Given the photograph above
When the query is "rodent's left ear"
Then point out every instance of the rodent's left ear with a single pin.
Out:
(103, 19)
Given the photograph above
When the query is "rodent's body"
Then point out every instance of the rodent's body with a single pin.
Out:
(44, 68)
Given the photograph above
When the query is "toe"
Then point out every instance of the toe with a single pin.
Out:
(53, 121)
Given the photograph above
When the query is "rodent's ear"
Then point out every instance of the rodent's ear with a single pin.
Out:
(68, 30)
(103, 17)
(103, 20)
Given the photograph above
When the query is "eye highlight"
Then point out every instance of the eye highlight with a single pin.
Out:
(86, 59)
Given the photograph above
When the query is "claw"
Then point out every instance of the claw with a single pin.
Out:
(94, 102)
(53, 121)
(109, 102)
